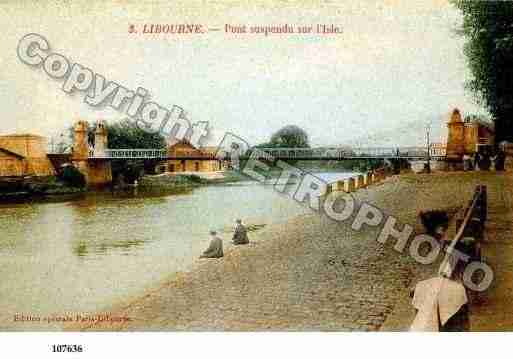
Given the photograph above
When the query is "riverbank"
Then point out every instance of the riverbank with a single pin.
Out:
(51, 189)
(190, 179)
(36, 189)
(309, 273)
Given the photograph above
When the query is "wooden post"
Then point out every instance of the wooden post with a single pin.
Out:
(377, 176)
(340, 185)
(349, 185)
(368, 179)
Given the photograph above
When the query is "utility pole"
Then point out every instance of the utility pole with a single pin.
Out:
(428, 144)
(52, 144)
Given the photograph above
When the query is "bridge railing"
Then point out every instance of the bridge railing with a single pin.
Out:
(148, 154)
(131, 154)
(356, 152)
(436, 151)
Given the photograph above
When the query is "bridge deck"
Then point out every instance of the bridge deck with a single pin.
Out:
(278, 153)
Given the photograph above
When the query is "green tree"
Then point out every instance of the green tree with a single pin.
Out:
(289, 136)
(125, 134)
(488, 28)
(72, 177)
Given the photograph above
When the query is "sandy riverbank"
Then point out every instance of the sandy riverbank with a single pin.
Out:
(310, 273)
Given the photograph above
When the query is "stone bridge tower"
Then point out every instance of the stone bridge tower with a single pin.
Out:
(80, 150)
(100, 139)
(455, 136)
(89, 161)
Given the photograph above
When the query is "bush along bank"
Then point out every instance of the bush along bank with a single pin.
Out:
(170, 181)
(27, 188)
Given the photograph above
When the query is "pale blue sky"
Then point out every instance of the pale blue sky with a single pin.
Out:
(396, 66)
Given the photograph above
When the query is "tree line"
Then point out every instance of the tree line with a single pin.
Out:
(488, 30)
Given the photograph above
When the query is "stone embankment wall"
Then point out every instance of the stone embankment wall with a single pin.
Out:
(352, 184)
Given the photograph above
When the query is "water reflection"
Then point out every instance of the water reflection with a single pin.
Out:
(84, 249)
(99, 208)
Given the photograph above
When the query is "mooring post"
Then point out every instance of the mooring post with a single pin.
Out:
(349, 185)
(340, 185)
(362, 183)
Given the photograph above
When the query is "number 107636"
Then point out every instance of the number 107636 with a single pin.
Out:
(67, 348)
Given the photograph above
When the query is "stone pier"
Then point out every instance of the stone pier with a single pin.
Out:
(97, 172)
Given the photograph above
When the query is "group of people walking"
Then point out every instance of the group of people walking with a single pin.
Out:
(484, 161)
(215, 249)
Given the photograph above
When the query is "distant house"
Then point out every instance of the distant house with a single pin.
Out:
(24, 155)
(196, 164)
(467, 136)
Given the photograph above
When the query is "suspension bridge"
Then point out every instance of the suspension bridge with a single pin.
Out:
(436, 151)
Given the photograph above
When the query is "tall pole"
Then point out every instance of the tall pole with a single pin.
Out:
(52, 144)
(428, 128)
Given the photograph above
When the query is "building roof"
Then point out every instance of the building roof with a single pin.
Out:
(181, 142)
(480, 122)
(210, 149)
(28, 135)
(455, 116)
(4, 150)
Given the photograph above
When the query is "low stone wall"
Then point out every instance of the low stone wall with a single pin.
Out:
(352, 184)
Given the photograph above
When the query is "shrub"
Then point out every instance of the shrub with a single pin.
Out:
(72, 177)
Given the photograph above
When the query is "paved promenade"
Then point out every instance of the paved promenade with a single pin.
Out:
(308, 274)
(493, 309)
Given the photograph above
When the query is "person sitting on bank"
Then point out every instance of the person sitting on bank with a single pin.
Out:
(241, 234)
(215, 249)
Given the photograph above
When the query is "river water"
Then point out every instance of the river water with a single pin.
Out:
(85, 254)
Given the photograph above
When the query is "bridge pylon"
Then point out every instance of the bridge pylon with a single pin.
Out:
(98, 171)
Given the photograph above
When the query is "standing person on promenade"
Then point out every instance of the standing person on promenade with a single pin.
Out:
(493, 162)
(467, 163)
(477, 159)
(485, 161)
(215, 249)
(500, 160)
(241, 234)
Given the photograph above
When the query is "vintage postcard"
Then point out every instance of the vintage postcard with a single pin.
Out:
(256, 166)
